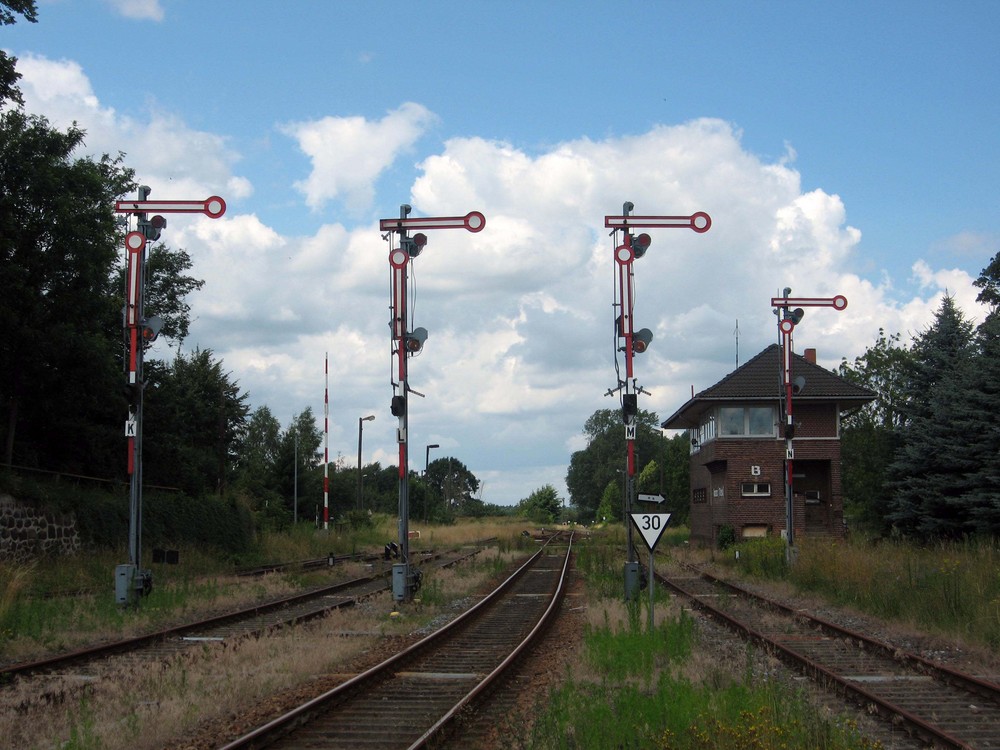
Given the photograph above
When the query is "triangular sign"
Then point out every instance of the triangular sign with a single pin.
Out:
(651, 526)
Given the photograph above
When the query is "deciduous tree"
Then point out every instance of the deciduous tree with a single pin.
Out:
(194, 423)
(60, 314)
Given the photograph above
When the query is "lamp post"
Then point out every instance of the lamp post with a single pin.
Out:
(427, 455)
(363, 478)
(361, 422)
(427, 494)
(295, 490)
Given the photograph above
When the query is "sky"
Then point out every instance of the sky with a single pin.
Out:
(839, 147)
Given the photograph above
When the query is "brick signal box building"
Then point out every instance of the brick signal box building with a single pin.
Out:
(738, 449)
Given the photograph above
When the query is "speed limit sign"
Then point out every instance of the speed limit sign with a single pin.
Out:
(651, 526)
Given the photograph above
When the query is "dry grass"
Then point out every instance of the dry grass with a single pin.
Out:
(467, 530)
(135, 706)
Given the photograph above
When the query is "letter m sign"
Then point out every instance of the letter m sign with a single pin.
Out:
(630, 432)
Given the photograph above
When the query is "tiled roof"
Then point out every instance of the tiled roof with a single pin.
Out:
(760, 379)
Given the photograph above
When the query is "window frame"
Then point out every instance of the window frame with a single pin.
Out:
(757, 491)
(751, 413)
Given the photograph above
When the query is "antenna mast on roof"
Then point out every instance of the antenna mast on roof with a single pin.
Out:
(737, 333)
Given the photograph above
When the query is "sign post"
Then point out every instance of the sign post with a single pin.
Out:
(632, 341)
(130, 582)
(651, 526)
(407, 341)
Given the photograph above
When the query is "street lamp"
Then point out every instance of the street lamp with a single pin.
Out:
(427, 498)
(361, 421)
(363, 478)
(427, 455)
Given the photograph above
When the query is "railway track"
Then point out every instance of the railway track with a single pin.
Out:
(412, 698)
(938, 705)
(88, 662)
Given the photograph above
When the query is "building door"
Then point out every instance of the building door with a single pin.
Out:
(813, 492)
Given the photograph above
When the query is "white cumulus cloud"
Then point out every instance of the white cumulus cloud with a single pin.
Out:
(349, 153)
(521, 346)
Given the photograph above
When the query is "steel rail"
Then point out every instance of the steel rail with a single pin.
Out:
(301, 715)
(972, 683)
(887, 709)
(147, 640)
(491, 679)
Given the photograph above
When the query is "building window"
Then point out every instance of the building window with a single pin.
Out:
(699, 495)
(755, 421)
(755, 489)
(731, 419)
(760, 421)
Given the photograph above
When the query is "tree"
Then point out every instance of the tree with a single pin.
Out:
(8, 74)
(870, 435)
(603, 460)
(257, 463)
(297, 453)
(989, 282)
(452, 481)
(167, 288)
(979, 418)
(931, 471)
(610, 507)
(675, 475)
(541, 506)
(60, 313)
(883, 368)
(194, 424)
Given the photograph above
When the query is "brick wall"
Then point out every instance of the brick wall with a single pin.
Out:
(721, 466)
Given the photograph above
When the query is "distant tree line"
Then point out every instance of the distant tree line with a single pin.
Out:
(923, 460)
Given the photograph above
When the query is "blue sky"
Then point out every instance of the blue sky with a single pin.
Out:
(840, 148)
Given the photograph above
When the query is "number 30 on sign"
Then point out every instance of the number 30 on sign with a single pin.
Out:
(651, 526)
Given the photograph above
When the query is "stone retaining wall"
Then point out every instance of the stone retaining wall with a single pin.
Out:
(27, 533)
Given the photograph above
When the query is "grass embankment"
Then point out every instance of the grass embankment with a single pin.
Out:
(636, 689)
(137, 706)
(32, 622)
(631, 688)
(948, 589)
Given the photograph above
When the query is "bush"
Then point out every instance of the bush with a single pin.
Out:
(726, 538)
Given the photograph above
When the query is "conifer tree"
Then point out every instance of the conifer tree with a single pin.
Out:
(932, 470)
(980, 417)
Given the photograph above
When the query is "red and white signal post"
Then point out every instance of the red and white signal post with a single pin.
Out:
(407, 341)
(631, 341)
(140, 330)
(789, 311)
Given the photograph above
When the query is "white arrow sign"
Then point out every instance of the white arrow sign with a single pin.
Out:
(651, 526)
(650, 498)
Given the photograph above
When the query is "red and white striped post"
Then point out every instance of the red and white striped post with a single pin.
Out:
(788, 318)
(326, 441)
(127, 584)
(407, 341)
(625, 254)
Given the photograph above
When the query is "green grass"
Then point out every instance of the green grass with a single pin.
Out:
(682, 715)
(952, 588)
(635, 692)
